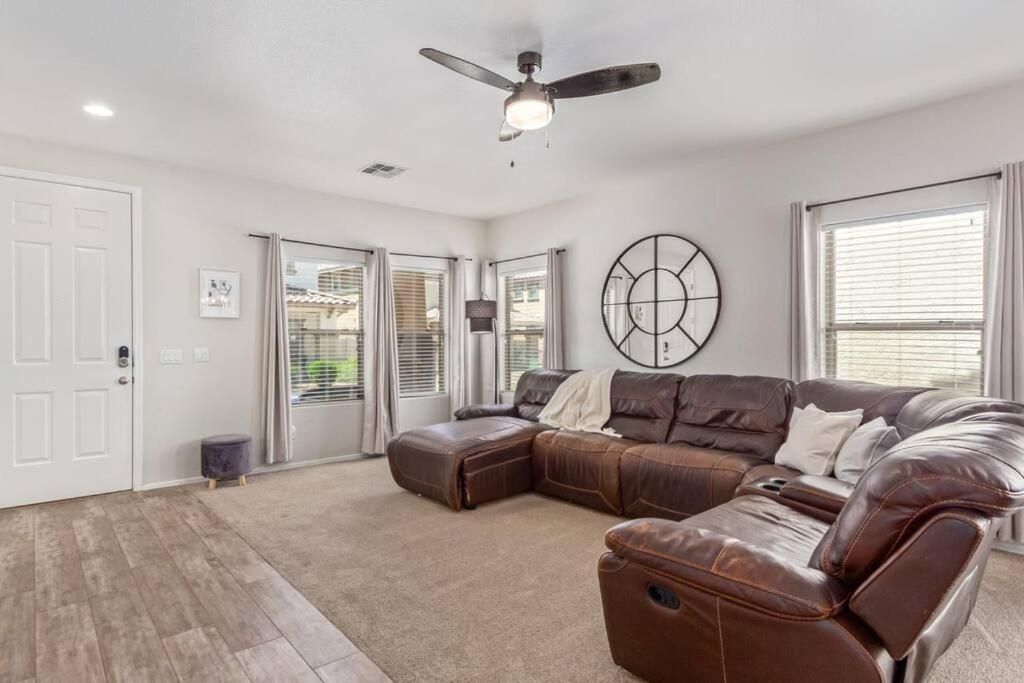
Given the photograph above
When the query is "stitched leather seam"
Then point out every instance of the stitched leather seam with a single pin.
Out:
(860, 648)
(643, 500)
(549, 480)
(822, 608)
(718, 557)
(469, 475)
(881, 504)
(929, 507)
(713, 466)
(600, 481)
(777, 432)
(609, 447)
(721, 640)
(979, 537)
(735, 599)
(760, 409)
(902, 551)
(444, 493)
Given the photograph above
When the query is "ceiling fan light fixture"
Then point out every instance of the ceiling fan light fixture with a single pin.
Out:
(529, 107)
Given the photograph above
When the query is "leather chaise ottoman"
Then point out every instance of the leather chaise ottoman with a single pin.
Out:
(467, 462)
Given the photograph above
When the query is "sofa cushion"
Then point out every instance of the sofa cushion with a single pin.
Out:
(678, 480)
(730, 413)
(837, 395)
(580, 466)
(535, 388)
(642, 403)
(751, 550)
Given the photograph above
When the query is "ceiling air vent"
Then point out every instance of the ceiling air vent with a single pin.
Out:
(382, 170)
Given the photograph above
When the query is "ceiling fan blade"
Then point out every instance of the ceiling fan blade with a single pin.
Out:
(507, 133)
(601, 81)
(477, 73)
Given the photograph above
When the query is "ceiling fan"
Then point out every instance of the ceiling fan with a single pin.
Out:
(531, 104)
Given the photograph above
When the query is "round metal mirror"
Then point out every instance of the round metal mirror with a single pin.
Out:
(661, 301)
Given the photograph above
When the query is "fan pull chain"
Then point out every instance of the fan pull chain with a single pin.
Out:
(547, 136)
(512, 153)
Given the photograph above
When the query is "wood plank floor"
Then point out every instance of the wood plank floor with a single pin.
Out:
(154, 587)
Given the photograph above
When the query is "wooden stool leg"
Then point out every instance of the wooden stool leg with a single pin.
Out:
(241, 480)
(213, 484)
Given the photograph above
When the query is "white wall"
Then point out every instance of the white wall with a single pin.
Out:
(737, 209)
(193, 219)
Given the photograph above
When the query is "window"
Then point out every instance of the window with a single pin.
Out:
(521, 324)
(902, 299)
(325, 330)
(420, 324)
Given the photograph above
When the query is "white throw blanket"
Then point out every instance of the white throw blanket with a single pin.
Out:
(582, 403)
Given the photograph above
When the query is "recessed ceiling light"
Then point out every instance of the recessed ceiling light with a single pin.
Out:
(97, 109)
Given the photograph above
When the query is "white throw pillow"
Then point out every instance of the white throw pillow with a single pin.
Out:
(864, 448)
(815, 438)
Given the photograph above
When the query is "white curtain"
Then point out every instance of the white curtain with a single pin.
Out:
(804, 360)
(1004, 336)
(554, 358)
(380, 356)
(457, 337)
(277, 407)
(488, 342)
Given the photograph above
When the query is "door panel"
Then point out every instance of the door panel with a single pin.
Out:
(65, 420)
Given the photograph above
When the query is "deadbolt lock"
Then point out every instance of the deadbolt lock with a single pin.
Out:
(122, 357)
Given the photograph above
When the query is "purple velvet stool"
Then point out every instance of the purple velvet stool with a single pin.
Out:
(226, 457)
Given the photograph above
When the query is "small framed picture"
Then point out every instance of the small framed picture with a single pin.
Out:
(219, 292)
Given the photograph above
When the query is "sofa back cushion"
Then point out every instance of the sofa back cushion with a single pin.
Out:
(642, 403)
(837, 395)
(741, 414)
(535, 388)
(975, 461)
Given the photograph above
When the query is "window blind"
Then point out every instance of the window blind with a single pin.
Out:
(325, 330)
(903, 299)
(522, 325)
(420, 326)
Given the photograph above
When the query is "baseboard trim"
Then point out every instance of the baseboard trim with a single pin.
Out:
(1010, 547)
(262, 469)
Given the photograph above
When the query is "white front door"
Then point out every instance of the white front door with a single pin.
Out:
(65, 309)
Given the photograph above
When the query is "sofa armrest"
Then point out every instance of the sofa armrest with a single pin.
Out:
(751, 575)
(825, 493)
(486, 410)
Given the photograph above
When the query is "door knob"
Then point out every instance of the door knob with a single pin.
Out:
(123, 380)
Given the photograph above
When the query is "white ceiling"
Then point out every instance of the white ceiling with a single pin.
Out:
(304, 93)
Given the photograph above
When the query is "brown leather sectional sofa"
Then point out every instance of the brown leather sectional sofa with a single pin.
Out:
(740, 569)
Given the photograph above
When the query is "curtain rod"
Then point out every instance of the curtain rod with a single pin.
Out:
(337, 246)
(994, 174)
(520, 258)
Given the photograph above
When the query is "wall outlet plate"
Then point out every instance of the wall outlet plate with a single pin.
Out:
(201, 355)
(170, 357)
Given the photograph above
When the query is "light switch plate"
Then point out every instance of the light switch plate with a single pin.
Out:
(201, 355)
(170, 357)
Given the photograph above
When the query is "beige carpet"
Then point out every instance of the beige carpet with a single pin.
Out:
(504, 592)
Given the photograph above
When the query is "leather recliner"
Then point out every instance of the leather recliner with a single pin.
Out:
(761, 588)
